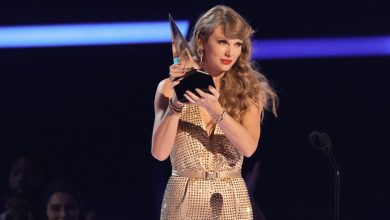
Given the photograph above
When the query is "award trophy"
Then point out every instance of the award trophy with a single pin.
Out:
(195, 78)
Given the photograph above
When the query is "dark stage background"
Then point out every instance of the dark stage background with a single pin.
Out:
(90, 109)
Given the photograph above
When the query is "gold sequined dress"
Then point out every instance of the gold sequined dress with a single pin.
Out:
(211, 197)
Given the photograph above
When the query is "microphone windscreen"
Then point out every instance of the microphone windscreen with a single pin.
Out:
(313, 139)
(324, 140)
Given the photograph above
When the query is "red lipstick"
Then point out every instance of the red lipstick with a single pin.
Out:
(226, 61)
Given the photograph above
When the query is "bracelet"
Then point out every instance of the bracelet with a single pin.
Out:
(220, 117)
(173, 108)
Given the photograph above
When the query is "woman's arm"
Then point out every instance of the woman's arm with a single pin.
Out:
(245, 136)
(165, 122)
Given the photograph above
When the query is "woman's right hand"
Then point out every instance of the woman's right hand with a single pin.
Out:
(176, 73)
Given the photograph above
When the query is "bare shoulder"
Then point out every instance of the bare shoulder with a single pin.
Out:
(163, 93)
(255, 107)
(164, 88)
(253, 113)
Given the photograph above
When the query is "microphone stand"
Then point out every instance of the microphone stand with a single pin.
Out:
(336, 170)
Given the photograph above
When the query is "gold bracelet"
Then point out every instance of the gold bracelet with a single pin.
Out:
(173, 108)
(220, 117)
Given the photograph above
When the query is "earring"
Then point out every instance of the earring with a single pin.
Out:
(200, 52)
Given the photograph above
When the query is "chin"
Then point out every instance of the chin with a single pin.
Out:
(224, 69)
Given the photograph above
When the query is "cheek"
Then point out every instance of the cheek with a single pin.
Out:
(214, 50)
(237, 57)
(238, 52)
(51, 215)
(74, 213)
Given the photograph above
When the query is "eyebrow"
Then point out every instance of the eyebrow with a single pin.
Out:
(225, 38)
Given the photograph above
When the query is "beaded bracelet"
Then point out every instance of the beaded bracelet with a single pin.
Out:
(220, 117)
(173, 108)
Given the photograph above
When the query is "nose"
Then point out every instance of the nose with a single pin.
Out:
(63, 214)
(228, 51)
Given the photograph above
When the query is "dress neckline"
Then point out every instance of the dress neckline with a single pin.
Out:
(204, 126)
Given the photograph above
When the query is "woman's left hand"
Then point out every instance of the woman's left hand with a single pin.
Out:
(206, 100)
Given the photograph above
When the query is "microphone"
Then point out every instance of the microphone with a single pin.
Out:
(314, 139)
(322, 142)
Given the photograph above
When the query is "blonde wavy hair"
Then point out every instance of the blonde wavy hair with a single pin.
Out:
(241, 86)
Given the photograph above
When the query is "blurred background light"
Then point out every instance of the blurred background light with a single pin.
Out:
(87, 34)
(322, 47)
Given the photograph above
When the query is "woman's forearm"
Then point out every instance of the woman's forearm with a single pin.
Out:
(244, 137)
(164, 135)
(239, 136)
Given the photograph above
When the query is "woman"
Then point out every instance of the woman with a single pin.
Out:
(61, 201)
(27, 176)
(207, 137)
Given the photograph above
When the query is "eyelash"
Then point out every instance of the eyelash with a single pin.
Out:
(224, 42)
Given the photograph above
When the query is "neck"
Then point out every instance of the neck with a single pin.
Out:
(217, 80)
